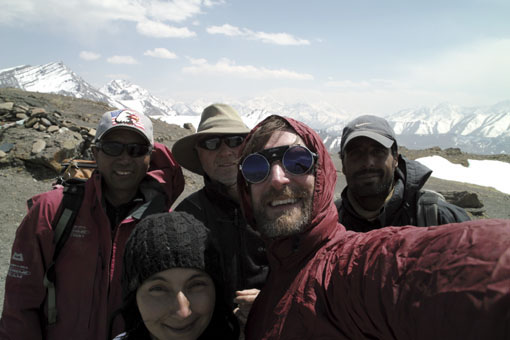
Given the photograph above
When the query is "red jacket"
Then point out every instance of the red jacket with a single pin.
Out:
(89, 267)
(448, 282)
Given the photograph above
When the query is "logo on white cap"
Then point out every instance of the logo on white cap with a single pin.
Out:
(127, 117)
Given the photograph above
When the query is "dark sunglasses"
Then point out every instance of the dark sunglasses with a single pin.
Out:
(214, 143)
(115, 149)
(296, 159)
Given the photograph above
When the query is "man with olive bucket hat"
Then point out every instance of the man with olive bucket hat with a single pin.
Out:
(213, 153)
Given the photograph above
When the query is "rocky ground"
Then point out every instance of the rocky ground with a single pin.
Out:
(24, 172)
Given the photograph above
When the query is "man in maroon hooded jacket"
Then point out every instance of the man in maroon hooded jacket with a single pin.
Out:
(449, 282)
(135, 177)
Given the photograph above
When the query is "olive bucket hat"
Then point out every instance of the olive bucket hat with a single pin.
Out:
(216, 119)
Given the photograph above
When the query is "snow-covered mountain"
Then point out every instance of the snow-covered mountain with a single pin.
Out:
(484, 129)
(489, 121)
(52, 78)
(137, 98)
(473, 129)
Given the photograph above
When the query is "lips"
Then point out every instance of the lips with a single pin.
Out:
(123, 173)
(280, 202)
(368, 174)
(182, 328)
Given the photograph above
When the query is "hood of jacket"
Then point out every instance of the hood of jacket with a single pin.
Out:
(324, 214)
(415, 174)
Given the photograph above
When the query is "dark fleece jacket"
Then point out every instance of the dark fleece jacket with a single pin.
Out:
(401, 208)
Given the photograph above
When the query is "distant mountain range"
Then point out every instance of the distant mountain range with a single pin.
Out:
(483, 130)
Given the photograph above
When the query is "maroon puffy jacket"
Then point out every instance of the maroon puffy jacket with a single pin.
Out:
(447, 282)
(89, 267)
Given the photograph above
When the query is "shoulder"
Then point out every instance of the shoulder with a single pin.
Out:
(445, 211)
(450, 213)
(194, 203)
(49, 199)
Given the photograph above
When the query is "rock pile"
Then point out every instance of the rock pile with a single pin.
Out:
(37, 137)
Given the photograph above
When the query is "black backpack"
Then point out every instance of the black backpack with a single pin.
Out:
(427, 207)
(73, 178)
(427, 211)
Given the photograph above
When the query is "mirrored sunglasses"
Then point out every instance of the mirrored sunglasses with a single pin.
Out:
(115, 149)
(214, 143)
(296, 160)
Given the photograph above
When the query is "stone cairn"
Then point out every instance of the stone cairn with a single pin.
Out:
(33, 135)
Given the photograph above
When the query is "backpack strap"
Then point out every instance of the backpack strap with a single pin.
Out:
(62, 226)
(427, 213)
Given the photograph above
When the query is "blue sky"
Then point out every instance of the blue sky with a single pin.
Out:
(360, 56)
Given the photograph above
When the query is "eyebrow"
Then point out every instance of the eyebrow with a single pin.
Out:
(161, 278)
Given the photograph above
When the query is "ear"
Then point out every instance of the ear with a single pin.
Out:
(395, 160)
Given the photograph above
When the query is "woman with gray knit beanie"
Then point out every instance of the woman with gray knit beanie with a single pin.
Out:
(172, 282)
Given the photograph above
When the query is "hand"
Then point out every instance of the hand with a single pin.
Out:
(244, 300)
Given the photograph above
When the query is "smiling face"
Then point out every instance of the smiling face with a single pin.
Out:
(177, 303)
(369, 169)
(220, 164)
(282, 203)
(122, 174)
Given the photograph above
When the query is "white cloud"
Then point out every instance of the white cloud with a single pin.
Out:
(160, 30)
(87, 55)
(225, 29)
(118, 76)
(122, 59)
(211, 3)
(268, 38)
(480, 67)
(279, 38)
(468, 75)
(160, 52)
(92, 16)
(227, 67)
(176, 10)
(14, 10)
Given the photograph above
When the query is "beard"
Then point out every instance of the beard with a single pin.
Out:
(380, 188)
(289, 222)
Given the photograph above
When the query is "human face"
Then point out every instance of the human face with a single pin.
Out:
(176, 303)
(282, 203)
(122, 174)
(369, 168)
(220, 164)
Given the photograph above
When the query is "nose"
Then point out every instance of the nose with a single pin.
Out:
(183, 306)
(368, 160)
(225, 149)
(124, 156)
(278, 176)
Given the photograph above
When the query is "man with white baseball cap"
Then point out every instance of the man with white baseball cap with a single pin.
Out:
(213, 153)
(135, 177)
(383, 187)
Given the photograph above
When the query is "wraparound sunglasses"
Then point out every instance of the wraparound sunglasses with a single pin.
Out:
(214, 143)
(115, 149)
(296, 159)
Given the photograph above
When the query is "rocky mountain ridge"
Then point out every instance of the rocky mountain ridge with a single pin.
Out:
(473, 129)
(39, 131)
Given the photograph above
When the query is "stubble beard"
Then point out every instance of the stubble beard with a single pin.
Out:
(380, 189)
(291, 222)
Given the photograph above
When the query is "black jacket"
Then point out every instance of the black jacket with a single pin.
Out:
(243, 251)
(410, 177)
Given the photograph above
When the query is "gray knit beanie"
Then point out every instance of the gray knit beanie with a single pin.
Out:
(164, 241)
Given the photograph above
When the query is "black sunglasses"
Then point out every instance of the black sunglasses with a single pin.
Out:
(115, 149)
(296, 159)
(214, 143)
